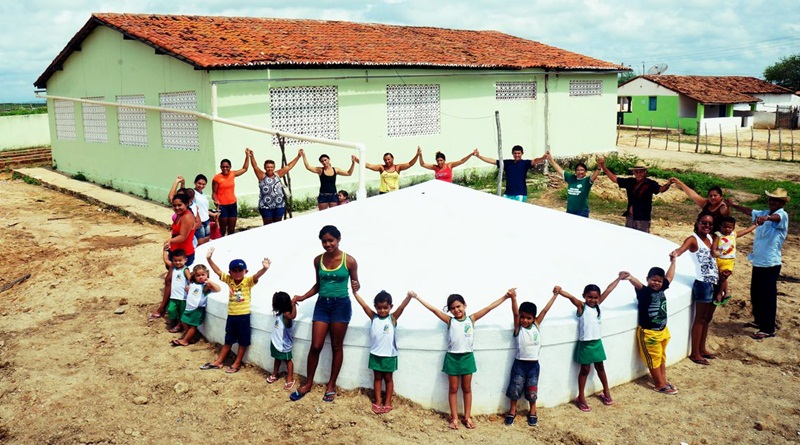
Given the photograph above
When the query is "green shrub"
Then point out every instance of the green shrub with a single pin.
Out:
(247, 211)
(79, 177)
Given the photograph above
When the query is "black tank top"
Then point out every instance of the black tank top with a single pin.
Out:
(327, 184)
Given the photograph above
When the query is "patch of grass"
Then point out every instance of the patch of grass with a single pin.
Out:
(478, 179)
(79, 177)
(302, 205)
(26, 179)
(247, 211)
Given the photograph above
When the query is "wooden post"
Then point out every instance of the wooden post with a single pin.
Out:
(769, 139)
(666, 134)
(737, 142)
(780, 145)
(679, 135)
(705, 126)
(791, 132)
(617, 134)
(697, 138)
(636, 141)
(720, 138)
(499, 154)
(650, 134)
(752, 136)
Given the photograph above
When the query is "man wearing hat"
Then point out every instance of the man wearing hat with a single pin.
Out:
(772, 227)
(640, 190)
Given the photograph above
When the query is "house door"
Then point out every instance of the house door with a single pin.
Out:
(785, 117)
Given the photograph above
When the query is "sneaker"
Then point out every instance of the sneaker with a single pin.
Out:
(533, 419)
(509, 419)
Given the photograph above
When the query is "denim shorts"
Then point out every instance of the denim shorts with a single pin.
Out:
(703, 292)
(583, 213)
(327, 198)
(229, 211)
(204, 231)
(237, 330)
(333, 310)
(524, 380)
(272, 213)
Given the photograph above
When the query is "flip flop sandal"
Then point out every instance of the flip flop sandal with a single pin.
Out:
(606, 400)
(297, 395)
(761, 335)
(709, 356)
(469, 424)
(723, 301)
(701, 361)
(288, 385)
(154, 316)
(272, 379)
(387, 408)
(377, 409)
(210, 365)
(176, 343)
(453, 425)
(231, 370)
(329, 396)
(583, 406)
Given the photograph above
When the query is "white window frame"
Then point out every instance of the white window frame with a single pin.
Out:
(413, 110)
(95, 121)
(586, 87)
(132, 122)
(66, 129)
(179, 131)
(307, 110)
(515, 90)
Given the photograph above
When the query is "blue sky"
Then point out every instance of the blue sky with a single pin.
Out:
(703, 37)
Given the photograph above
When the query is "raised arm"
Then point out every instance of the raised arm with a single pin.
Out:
(459, 162)
(635, 282)
(265, 263)
(165, 256)
(671, 271)
(595, 174)
(316, 170)
(746, 210)
(211, 286)
(485, 159)
(575, 302)
(374, 167)
(622, 276)
(283, 170)
(211, 262)
(293, 314)
(246, 165)
(399, 311)
(698, 200)
(409, 164)
(543, 312)
(179, 183)
(690, 244)
(667, 185)
(349, 172)
(478, 315)
(601, 161)
(514, 309)
(555, 165)
(537, 161)
(422, 161)
(441, 315)
(744, 232)
(367, 310)
(259, 173)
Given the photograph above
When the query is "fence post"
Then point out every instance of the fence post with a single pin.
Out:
(650, 134)
(617, 134)
(705, 126)
(636, 141)
(752, 136)
(769, 140)
(666, 134)
(679, 135)
(791, 132)
(720, 138)
(780, 145)
(697, 138)
(737, 142)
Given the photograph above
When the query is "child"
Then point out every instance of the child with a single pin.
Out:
(724, 250)
(196, 300)
(344, 197)
(525, 370)
(459, 362)
(237, 327)
(178, 279)
(280, 345)
(652, 333)
(383, 345)
(589, 348)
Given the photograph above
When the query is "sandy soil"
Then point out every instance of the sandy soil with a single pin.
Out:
(73, 371)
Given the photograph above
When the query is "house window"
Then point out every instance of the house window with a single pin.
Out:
(132, 122)
(515, 90)
(311, 111)
(179, 130)
(65, 120)
(585, 87)
(95, 127)
(412, 110)
(651, 106)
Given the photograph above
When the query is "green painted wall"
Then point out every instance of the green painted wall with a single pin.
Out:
(109, 66)
(666, 114)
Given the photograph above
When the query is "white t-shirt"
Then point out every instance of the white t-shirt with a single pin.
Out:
(459, 334)
(589, 324)
(281, 335)
(529, 342)
(201, 201)
(196, 298)
(382, 335)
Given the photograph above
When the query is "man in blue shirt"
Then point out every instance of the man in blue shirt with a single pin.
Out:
(516, 170)
(773, 225)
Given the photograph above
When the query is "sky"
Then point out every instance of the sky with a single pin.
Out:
(699, 37)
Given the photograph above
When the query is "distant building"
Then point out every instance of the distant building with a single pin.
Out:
(692, 102)
(389, 87)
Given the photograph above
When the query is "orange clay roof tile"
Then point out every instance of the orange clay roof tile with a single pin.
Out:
(246, 42)
(718, 89)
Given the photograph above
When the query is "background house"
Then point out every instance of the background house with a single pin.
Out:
(698, 102)
(391, 88)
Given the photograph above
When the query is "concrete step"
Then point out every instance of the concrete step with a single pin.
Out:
(25, 157)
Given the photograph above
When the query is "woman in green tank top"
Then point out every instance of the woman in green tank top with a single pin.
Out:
(332, 311)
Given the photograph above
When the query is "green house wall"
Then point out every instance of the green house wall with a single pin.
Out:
(665, 115)
(109, 65)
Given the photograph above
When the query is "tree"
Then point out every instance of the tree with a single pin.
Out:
(785, 73)
(624, 77)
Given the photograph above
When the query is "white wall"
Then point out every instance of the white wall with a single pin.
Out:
(30, 130)
(644, 87)
(712, 125)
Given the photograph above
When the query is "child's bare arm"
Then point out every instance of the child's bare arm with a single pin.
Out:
(265, 263)
(744, 232)
(211, 286)
(364, 305)
(187, 275)
(514, 309)
(635, 282)
(671, 271)
(612, 286)
(293, 313)
(442, 316)
(575, 302)
(211, 262)
(399, 311)
(543, 312)
(480, 314)
(166, 257)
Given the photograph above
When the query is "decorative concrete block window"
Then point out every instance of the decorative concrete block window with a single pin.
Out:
(310, 111)
(585, 87)
(95, 126)
(65, 120)
(179, 131)
(132, 122)
(412, 110)
(515, 90)
(652, 103)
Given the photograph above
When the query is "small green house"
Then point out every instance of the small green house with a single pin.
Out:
(391, 88)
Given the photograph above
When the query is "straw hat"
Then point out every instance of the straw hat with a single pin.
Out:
(639, 166)
(778, 193)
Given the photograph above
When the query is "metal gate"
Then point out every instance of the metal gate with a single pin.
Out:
(786, 117)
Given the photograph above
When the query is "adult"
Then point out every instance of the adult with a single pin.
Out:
(179, 186)
(578, 186)
(271, 201)
(203, 232)
(443, 170)
(390, 172)
(705, 284)
(223, 193)
(516, 170)
(332, 312)
(182, 231)
(328, 194)
(712, 203)
(640, 190)
(772, 227)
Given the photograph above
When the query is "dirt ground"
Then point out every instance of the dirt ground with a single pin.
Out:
(73, 371)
